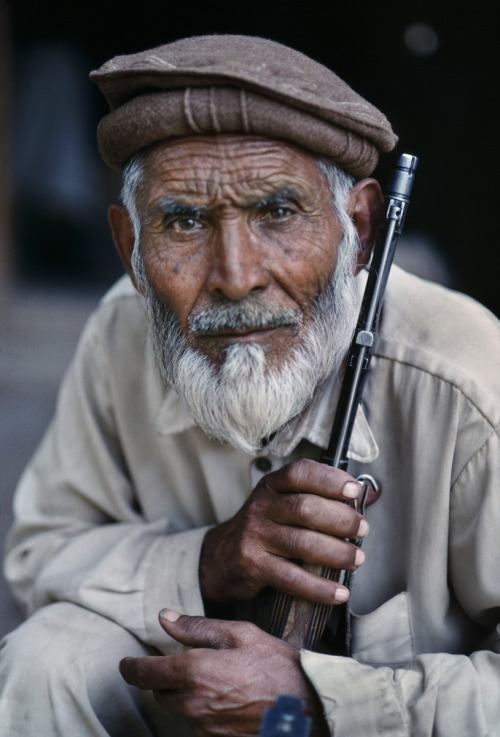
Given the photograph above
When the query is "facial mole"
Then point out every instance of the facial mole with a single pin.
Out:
(176, 269)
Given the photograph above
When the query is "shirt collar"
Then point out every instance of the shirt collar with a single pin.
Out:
(171, 417)
(315, 425)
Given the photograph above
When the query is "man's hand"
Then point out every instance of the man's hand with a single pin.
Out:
(296, 513)
(222, 685)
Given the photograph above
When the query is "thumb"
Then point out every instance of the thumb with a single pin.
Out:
(217, 634)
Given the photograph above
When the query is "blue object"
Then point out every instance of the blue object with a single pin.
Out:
(285, 719)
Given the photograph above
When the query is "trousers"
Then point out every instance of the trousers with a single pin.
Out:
(59, 677)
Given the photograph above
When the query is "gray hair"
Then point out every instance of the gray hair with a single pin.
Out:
(338, 180)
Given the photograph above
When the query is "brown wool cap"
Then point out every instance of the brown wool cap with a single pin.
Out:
(236, 84)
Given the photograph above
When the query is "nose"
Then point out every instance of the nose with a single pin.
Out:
(237, 268)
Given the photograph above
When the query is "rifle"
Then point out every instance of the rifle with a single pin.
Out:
(300, 622)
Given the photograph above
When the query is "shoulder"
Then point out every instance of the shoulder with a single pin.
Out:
(121, 296)
(116, 334)
(444, 333)
(120, 313)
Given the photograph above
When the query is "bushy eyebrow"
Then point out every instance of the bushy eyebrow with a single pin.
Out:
(169, 206)
(172, 207)
(286, 194)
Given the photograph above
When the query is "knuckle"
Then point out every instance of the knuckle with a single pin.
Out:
(252, 510)
(247, 632)
(247, 567)
(190, 665)
(251, 532)
(299, 544)
(289, 579)
(250, 572)
(297, 473)
(304, 507)
(256, 514)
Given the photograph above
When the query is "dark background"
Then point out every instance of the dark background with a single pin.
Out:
(442, 102)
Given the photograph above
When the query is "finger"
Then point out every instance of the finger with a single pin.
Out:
(152, 672)
(201, 632)
(317, 513)
(293, 543)
(300, 583)
(314, 478)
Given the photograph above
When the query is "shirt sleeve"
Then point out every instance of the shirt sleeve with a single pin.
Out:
(438, 693)
(79, 534)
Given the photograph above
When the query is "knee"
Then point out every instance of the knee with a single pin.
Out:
(35, 671)
(68, 657)
(34, 642)
(65, 643)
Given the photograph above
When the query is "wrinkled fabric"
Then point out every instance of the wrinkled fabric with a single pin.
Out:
(59, 678)
(111, 513)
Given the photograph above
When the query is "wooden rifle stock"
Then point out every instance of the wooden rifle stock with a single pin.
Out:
(300, 622)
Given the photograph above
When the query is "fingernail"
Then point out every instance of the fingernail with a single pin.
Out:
(363, 528)
(341, 595)
(169, 615)
(350, 490)
(359, 558)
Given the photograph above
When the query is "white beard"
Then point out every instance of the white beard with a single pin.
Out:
(246, 400)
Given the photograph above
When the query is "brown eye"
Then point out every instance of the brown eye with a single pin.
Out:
(280, 212)
(184, 224)
(187, 223)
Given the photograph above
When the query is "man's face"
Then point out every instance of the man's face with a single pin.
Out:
(232, 219)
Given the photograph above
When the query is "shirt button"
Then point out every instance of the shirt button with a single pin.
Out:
(263, 464)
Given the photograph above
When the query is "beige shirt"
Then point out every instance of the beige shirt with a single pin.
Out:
(112, 511)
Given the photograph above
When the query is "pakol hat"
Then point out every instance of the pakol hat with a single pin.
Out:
(236, 84)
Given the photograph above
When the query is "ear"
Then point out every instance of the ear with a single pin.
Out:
(123, 236)
(365, 208)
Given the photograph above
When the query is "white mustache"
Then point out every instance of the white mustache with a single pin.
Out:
(246, 315)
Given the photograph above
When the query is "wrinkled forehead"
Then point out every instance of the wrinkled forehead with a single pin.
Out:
(218, 165)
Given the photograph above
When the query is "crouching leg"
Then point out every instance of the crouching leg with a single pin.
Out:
(59, 676)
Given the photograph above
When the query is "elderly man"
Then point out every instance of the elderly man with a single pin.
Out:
(181, 472)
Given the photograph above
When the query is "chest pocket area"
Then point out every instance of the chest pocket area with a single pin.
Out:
(384, 636)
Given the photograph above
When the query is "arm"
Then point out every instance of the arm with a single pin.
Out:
(81, 533)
